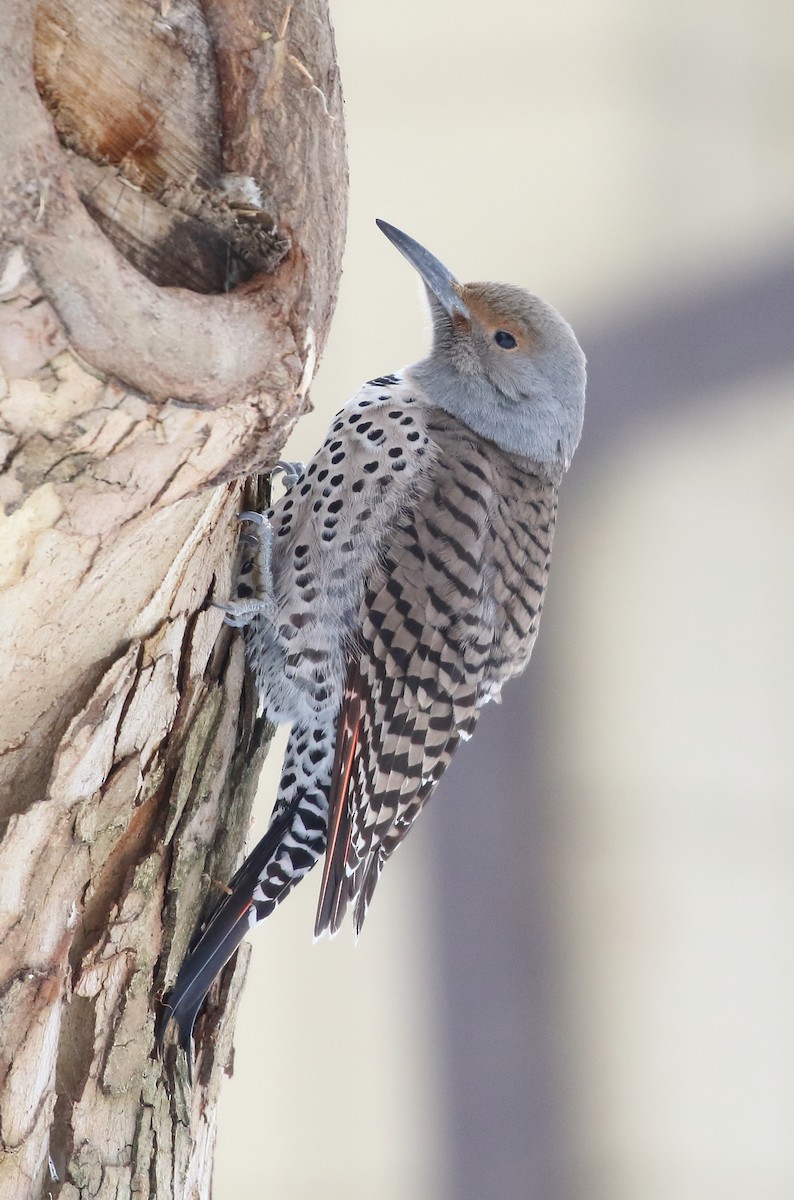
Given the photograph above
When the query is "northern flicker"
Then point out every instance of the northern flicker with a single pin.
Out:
(393, 589)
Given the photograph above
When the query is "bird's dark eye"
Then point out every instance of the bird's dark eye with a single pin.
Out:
(504, 339)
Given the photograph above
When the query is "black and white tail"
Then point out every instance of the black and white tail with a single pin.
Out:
(294, 842)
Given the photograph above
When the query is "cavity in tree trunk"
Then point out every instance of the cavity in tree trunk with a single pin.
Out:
(172, 210)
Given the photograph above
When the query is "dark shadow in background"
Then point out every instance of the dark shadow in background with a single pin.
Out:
(489, 829)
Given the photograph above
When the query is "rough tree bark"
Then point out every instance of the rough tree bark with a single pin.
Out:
(160, 318)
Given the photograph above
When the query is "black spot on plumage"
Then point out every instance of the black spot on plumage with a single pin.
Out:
(427, 654)
(384, 641)
(312, 656)
(247, 566)
(376, 617)
(358, 486)
(302, 580)
(339, 425)
(395, 414)
(395, 452)
(331, 522)
(316, 756)
(399, 466)
(415, 628)
(315, 822)
(283, 531)
(289, 503)
(363, 426)
(317, 505)
(335, 506)
(375, 434)
(310, 594)
(307, 487)
(414, 435)
(301, 859)
(334, 446)
(328, 535)
(370, 467)
(402, 764)
(312, 469)
(337, 458)
(301, 551)
(323, 475)
(469, 724)
(401, 657)
(244, 590)
(328, 491)
(419, 736)
(287, 780)
(438, 603)
(336, 480)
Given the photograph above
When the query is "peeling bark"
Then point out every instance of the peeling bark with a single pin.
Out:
(172, 206)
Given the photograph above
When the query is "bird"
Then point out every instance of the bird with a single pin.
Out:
(392, 590)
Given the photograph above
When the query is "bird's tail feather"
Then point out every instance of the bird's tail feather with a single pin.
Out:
(228, 926)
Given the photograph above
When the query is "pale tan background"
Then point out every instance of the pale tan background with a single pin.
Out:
(577, 979)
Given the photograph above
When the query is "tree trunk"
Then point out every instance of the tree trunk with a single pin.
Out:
(172, 210)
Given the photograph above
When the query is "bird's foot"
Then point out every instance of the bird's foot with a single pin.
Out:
(254, 591)
(239, 613)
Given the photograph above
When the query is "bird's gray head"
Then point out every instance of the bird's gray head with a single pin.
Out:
(503, 361)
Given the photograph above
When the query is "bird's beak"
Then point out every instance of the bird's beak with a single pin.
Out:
(441, 282)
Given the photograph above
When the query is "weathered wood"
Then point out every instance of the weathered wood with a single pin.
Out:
(172, 208)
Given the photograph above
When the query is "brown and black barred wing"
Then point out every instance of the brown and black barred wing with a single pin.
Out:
(390, 752)
(441, 624)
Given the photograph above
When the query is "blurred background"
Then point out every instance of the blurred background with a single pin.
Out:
(577, 979)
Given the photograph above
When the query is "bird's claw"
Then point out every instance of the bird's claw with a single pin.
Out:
(238, 613)
(292, 471)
